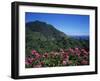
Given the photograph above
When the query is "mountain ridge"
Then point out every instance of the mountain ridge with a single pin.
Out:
(48, 30)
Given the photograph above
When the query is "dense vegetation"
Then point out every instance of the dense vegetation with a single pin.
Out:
(43, 38)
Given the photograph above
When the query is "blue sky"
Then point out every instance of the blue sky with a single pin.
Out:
(68, 23)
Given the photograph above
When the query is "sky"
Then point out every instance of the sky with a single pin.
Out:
(70, 24)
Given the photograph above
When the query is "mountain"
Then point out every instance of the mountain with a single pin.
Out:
(83, 37)
(47, 31)
(44, 37)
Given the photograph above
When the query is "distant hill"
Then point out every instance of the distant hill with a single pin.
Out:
(81, 37)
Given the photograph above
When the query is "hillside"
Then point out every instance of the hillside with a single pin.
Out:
(44, 37)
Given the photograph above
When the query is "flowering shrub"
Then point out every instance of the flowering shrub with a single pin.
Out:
(62, 57)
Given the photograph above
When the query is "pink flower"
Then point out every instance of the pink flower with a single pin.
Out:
(64, 62)
(37, 55)
(66, 56)
(76, 49)
(33, 52)
(84, 62)
(37, 66)
(85, 57)
(69, 62)
(71, 50)
(42, 63)
(29, 60)
(85, 52)
(26, 62)
(45, 55)
(78, 53)
(82, 50)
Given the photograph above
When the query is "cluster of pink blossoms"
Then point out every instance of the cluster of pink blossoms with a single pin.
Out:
(69, 57)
